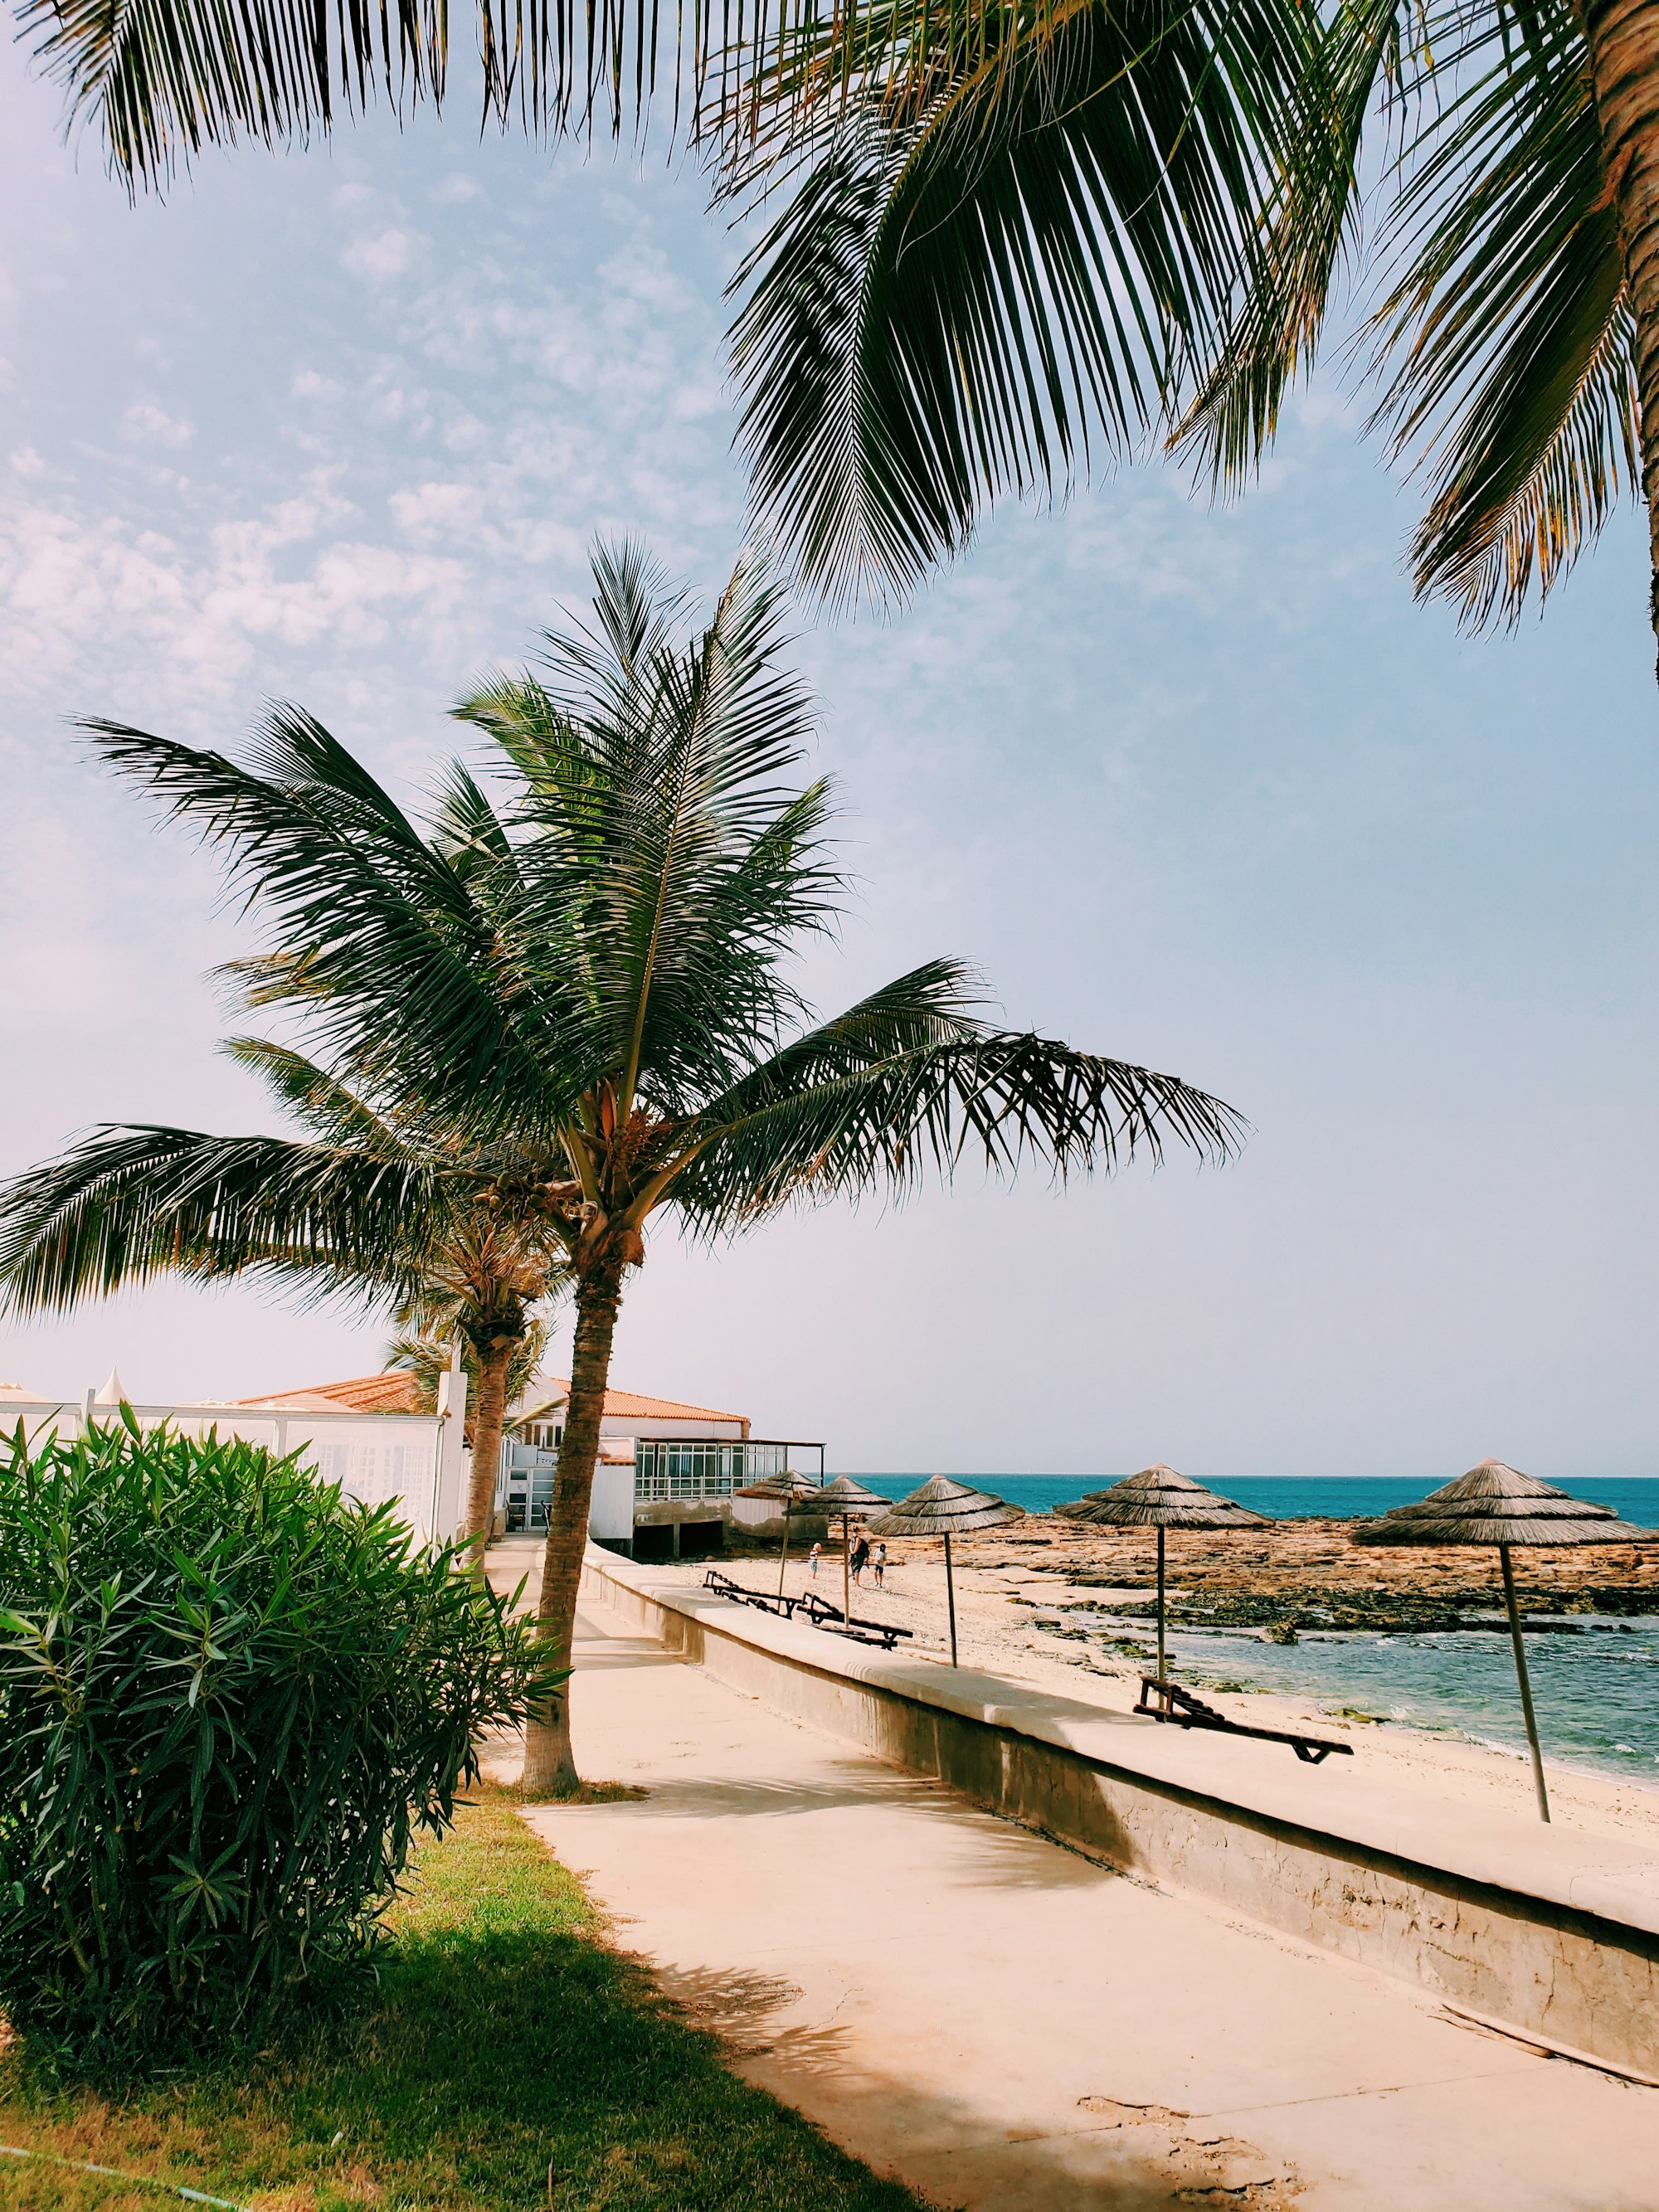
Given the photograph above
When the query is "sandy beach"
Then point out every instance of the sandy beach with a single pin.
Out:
(1014, 1587)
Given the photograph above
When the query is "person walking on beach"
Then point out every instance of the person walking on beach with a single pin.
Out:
(878, 1565)
(860, 1559)
(812, 1559)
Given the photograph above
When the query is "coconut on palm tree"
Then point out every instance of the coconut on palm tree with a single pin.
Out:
(574, 987)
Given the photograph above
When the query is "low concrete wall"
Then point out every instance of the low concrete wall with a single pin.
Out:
(1551, 1930)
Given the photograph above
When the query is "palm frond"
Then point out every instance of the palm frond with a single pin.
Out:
(666, 858)
(131, 1204)
(328, 1108)
(990, 277)
(1540, 455)
(377, 937)
(1506, 334)
(1310, 237)
(160, 80)
(907, 1081)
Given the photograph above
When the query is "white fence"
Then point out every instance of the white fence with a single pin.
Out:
(414, 1460)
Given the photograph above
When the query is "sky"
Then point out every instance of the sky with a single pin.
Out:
(1201, 788)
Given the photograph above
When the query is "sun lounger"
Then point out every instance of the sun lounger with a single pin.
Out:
(1168, 1701)
(817, 1610)
(822, 1614)
(763, 1601)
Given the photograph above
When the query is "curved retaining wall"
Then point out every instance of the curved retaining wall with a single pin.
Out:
(1552, 1930)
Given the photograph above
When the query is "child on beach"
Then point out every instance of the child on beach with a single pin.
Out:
(812, 1559)
(878, 1565)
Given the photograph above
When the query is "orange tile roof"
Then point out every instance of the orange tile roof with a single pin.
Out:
(628, 1405)
(394, 1392)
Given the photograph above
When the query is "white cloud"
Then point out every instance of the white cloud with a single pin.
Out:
(309, 385)
(455, 190)
(146, 424)
(431, 511)
(379, 258)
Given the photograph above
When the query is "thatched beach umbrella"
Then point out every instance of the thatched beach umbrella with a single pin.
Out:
(1079, 1509)
(783, 1490)
(853, 1502)
(1157, 1497)
(943, 1507)
(1493, 1504)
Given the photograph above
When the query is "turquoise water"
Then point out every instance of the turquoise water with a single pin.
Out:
(1597, 1693)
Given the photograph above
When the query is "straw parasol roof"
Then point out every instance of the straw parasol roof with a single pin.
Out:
(1159, 1498)
(941, 1508)
(1494, 1504)
(1077, 1508)
(779, 1485)
(843, 1495)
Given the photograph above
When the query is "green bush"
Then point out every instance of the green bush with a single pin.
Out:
(229, 1698)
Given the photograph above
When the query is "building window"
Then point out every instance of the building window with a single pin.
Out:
(668, 1467)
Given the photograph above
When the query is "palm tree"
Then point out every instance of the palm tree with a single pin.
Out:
(578, 999)
(426, 1359)
(956, 297)
(372, 1207)
(675, 876)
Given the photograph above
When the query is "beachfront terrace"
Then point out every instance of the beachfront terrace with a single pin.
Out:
(671, 1467)
(681, 1485)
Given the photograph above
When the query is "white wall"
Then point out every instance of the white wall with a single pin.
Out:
(378, 1458)
(619, 1424)
(610, 1511)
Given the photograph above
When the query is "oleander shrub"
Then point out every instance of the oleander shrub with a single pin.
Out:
(230, 1698)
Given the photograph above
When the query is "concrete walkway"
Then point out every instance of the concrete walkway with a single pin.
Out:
(1002, 2024)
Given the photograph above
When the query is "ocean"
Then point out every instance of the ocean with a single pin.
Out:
(1597, 1693)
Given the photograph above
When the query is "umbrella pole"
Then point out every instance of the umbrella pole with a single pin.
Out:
(1160, 1605)
(783, 1553)
(846, 1569)
(950, 1596)
(1530, 1717)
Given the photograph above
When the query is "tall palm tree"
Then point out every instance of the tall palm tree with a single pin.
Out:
(575, 995)
(950, 301)
(675, 875)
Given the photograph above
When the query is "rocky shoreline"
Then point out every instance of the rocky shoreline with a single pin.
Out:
(1048, 1600)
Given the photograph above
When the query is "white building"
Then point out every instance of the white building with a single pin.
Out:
(388, 1454)
(667, 1471)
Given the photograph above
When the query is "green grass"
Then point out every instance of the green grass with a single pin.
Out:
(509, 2062)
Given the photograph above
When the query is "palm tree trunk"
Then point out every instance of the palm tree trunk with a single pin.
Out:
(548, 1764)
(1623, 37)
(489, 1416)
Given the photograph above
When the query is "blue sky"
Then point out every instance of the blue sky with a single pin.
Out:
(1200, 787)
